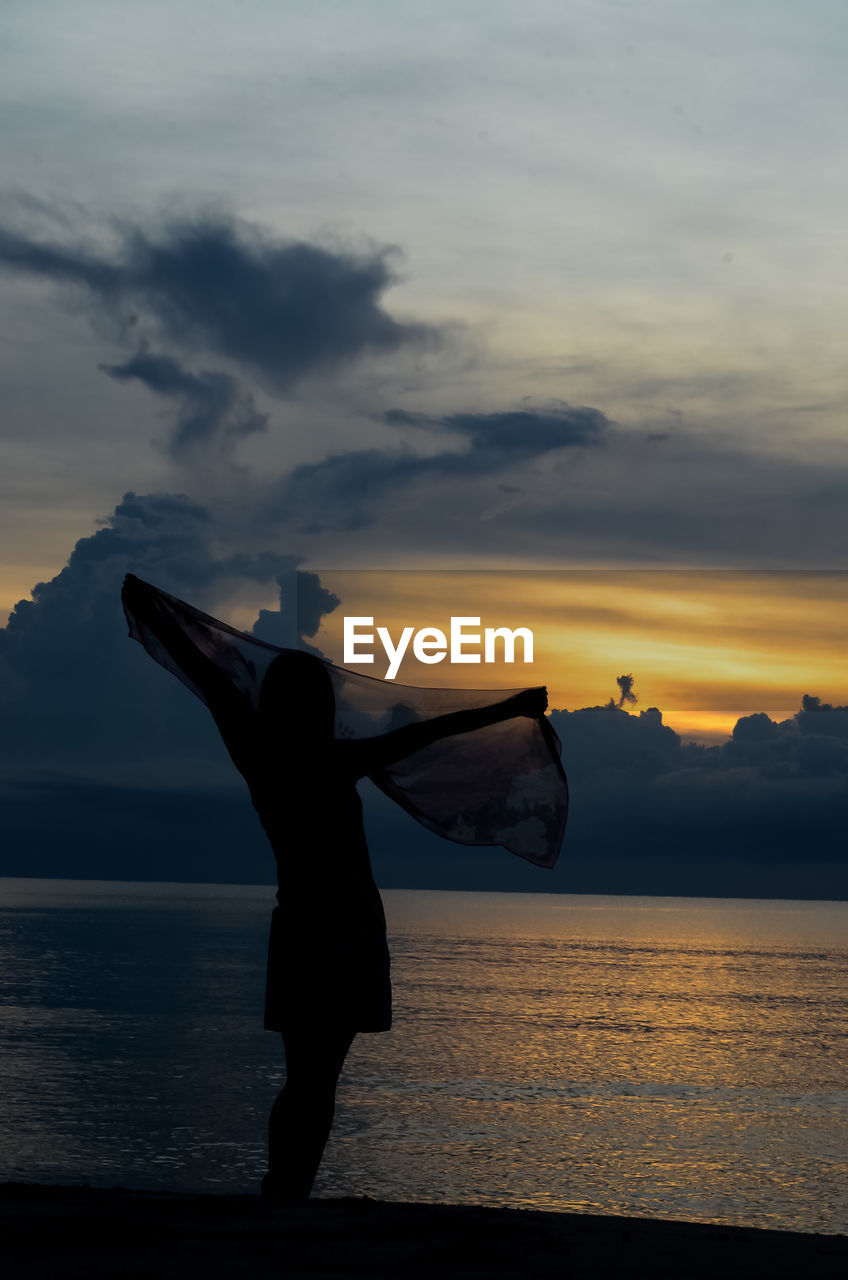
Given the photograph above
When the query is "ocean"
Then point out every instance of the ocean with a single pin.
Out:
(661, 1057)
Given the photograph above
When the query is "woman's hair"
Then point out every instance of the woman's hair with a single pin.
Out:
(297, 691)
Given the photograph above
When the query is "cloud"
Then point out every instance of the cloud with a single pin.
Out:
(761, 814)
(651, 814)
(510, 482)
(309, 603)
(217, 286)
(108, 767)
(509, 434)
(213, 404)
(625, 685)
(345, 489)
(624, 502)
(78, 698)
(612, 745)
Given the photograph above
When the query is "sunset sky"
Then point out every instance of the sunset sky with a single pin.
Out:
(705, 647)
(637, 209)
(554, 293)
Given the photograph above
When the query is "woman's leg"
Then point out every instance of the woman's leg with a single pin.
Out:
(302, 1116)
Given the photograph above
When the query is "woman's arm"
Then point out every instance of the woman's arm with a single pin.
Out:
(384, 749)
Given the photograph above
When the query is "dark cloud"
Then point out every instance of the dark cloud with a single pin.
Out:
(214, 406)
(527, 433)
(625, 685)
(96, 735)
(220, 285)
(111, 768)
(818, 717)
(513, 432)
(304, 603)
(60, 264)
(216, 286)
(759, 815)
(78, 697)
(108, 766)
(610, 744)
(63, 826)
(344, 490)
(718, 506)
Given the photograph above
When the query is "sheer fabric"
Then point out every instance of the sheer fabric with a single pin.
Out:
(502, 784)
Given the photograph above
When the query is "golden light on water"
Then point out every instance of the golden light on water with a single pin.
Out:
(630, 1051)
(704, 646)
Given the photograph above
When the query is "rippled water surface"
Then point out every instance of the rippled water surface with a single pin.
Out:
(664, 1057)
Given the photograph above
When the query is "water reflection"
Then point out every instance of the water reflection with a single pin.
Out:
(678, 1059)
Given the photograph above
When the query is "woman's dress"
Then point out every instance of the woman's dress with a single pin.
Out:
(328, 957)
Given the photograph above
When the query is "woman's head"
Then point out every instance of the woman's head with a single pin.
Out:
(297, 693)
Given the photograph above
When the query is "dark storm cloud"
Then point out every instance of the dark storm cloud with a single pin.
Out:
(625, 685)
(344, 489)
(498, 438)
(610, 744)
(526, 433)
(220, 287)
(108, 767)
(762, 814)
(96, 735)
(76, 695)
(61, 265)
(105, 757)
(512, 432)
(624, 502)
(310, 601)
(213, 404)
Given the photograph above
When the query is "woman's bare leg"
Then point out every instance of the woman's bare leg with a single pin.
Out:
(302, 1116)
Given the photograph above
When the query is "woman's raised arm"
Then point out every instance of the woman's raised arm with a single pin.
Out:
(383, 750)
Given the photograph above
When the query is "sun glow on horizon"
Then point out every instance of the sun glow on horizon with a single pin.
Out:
(705, 647)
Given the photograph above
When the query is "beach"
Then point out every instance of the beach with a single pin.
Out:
(81, 1232)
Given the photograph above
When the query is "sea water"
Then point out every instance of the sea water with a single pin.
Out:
(673, 1058)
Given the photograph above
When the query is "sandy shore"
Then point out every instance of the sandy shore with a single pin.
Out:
(64, 1232)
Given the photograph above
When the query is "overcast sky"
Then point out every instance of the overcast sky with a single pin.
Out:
(636, 209)
(415, 285)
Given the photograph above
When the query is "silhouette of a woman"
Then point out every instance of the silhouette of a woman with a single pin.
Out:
(328, 959)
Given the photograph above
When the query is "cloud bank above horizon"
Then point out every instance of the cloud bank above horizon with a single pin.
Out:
(92, 727)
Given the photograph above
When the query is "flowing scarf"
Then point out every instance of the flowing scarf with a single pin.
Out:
(501, 784)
